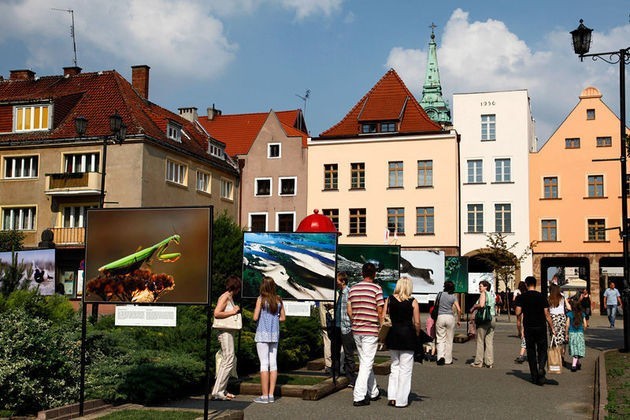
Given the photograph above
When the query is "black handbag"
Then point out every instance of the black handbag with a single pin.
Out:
(436, 307)
(483, 315)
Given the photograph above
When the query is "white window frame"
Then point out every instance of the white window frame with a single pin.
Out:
(176, 172)
(249, 220)
(505, 216)
(227, 193)
(28, 164)
(174, 131)
(278, 214)
(269, 146)
(27, 218)
(84, 162)
(488, 127)
(217, 151)
(206, 179)
(257, 193)
(474, 171)
(501, 174)
(478, 218)
(295, 187)
(78, 215)
(42, 124)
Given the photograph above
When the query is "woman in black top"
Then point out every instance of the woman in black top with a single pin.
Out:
(401, 341)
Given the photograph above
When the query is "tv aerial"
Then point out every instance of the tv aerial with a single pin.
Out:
(72, 34)
(307, 94)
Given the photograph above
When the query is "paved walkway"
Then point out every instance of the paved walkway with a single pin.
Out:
(459, 391)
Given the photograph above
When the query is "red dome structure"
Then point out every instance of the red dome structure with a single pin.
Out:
(317, 223)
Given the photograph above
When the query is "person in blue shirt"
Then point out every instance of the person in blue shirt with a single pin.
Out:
(575, 331)
(612, 300)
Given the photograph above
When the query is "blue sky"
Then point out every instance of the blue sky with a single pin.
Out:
(256, 55)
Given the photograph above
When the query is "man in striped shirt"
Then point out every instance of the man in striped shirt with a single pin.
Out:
(365, 308)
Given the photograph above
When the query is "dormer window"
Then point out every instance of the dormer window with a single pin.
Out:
(388, 127)
(174, 132)
(32, 118)
(378, 127)
(368, 128)
(217, 151)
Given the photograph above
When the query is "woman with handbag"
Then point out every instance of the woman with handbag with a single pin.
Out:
(445, 323)
(269, 312)
(402, 341)
(485, 324)
(558, 308)
(226, 321)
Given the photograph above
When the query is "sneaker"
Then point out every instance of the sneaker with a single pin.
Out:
(361, 403)
(475, 365)
(378, 397)
(520, 359)
(440, 361)
(261, 400)
(270, 399)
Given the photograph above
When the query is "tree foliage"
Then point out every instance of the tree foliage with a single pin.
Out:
(227, 252)
(501, 258)
(11, 240)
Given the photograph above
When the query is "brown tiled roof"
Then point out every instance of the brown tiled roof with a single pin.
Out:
(388, 100)
(238, 131)
(96, 96)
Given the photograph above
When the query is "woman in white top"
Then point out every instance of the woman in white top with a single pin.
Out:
(558, 307)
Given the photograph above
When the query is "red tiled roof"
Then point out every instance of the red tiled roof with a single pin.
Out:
(96, 96)
(388, 100)
(238, 131)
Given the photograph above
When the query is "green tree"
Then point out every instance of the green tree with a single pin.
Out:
(227, 252)
(11, 240)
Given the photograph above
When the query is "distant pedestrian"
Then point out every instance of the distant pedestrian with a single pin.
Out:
(402, 341)
(269, 312)
(484, 355)
(584, 299)
(575, 331)
(612, 300)
(365, 307)
(522, 288)
(445, 323)
(532, 312)
(342, 333)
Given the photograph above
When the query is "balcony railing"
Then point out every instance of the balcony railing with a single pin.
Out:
(73, 183)
(69, 236)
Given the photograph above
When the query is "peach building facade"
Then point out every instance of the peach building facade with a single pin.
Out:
(575, 199)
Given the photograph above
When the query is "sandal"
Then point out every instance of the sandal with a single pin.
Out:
(224, 397)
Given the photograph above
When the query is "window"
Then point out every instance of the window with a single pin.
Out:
(590, 114)
(81, 162)
(262, 187)
(572, 143)
(596, 230)
(368, 128)
(549, 230)
(18, 218)
(333, 214)
(203, 182)
(358, 222)
(475, 171)
(357, 175)
(396, 220)
(75, 216)
(330, 176)
(217, 151)
(258, 222)
(285, 222)
(274, 151)
(550, 187)
(488, 127)
(425, 173)
(32, 118)
(226, 189)
(395, 174)
(475, 218)
(503, 170)
(20, 167)
(174, 132)
(388, 127)
(596, 185)
(604, 141)
(288, 186)
(176, 172)
(503, 218)
(425, 220)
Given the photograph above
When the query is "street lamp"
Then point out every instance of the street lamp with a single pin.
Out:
(119, 131)
(581, 45)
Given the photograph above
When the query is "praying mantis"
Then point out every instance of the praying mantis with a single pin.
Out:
(134, 261)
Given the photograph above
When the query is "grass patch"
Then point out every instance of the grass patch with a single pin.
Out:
(152, 414)
(618, 381)
(291, 379)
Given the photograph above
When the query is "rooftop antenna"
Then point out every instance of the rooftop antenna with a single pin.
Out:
(74, 41)
(304, 98)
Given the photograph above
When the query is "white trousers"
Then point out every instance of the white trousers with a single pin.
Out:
(399, 385)
(366, 382)
(226, 339)
(445, 332)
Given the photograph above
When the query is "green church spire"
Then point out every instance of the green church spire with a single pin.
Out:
(432, 102)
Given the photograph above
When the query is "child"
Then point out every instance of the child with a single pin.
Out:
(430, 347)
(575, 330)
(269, 312)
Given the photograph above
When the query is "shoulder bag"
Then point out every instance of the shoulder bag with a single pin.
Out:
(483, 315)
(233, 322)
(436, 307)
(385, 326)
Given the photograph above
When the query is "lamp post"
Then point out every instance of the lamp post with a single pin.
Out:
(119, 131)
(581, 45)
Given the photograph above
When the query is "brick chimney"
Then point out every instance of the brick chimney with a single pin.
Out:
(71, 71)
(213, 112)
(22, 75)
(189, 113)
(140, 80)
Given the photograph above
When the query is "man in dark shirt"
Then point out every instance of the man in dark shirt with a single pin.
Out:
(532, 311)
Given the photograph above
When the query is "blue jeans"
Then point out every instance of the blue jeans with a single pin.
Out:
(612, 312)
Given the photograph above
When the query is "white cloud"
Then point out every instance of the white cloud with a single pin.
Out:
(307, 8)
(486, 56)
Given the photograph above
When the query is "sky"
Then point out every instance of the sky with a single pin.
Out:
(247, 56)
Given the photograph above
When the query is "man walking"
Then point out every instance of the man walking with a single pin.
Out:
(612, 300)
(532, 312)
(365, 308)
